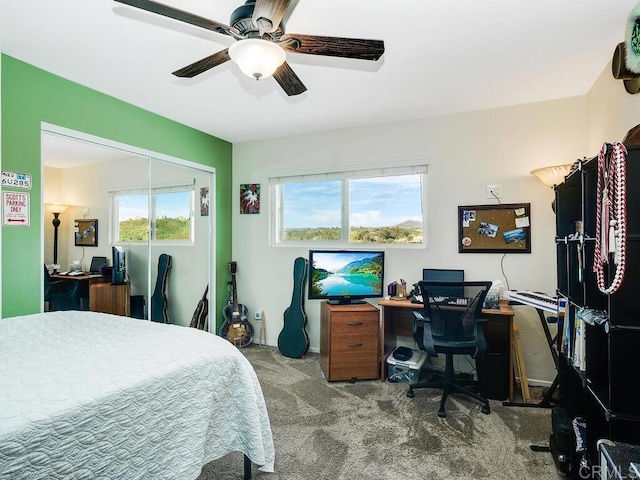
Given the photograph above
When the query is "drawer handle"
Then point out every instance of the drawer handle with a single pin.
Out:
(352, 345)
(354, 323)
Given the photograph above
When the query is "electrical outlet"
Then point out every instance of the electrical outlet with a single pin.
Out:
(494, 191)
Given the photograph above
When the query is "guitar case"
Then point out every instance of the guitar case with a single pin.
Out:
(159, 297)
(293, 341)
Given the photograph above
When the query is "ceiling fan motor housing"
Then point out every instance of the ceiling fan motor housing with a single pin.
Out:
(241, 19)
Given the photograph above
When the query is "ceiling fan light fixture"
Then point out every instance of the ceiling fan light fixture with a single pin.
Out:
(257, 58)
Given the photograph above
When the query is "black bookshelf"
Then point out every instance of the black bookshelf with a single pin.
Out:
(606, 393)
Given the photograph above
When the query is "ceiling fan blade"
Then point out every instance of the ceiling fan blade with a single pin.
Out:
(201, 66)
(288, 80)
(332, 46)
(267, 14)
(180, 15)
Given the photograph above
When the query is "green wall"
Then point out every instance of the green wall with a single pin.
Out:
(31, 96)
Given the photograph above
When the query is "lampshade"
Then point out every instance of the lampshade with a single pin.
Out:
(552, 176)
(257, 58)
(56, 208)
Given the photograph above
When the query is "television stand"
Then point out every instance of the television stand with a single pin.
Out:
(346, 301)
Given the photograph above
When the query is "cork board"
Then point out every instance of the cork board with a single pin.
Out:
(504, 228)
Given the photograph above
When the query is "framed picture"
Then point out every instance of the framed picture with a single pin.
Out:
(204, 202)
(250, 198)
(504, 228)
(87, 232)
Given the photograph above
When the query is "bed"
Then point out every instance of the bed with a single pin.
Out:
(96, 396)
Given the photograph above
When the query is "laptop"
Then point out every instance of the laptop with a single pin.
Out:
(96, 264)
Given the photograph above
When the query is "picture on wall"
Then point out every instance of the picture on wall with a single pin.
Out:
(204, 202)
(249, 198)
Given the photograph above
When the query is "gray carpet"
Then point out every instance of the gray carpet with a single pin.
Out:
(371, 430)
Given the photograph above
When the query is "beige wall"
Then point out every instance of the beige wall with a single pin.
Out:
(465, 152)
(611, 112)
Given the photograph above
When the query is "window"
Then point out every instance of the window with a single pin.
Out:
(372, 206)
(171, 218)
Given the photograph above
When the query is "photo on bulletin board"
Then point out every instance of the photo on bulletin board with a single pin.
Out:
(504, 228)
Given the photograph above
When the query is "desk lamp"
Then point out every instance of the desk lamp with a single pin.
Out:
(56, 209)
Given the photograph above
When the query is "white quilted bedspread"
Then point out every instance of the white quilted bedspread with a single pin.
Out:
(87, 395)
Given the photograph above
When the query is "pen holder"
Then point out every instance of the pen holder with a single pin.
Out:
(401, 290)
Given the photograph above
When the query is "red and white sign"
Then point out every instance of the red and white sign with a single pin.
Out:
(15, 209)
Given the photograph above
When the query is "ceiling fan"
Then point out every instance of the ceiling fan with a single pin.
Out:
(261, 41)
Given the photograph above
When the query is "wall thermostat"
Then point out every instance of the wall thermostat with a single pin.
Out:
(258, 316)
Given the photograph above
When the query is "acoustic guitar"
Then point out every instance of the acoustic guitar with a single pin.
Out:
(293, 341)
(199, 318)
(159, 302)
(236, 327)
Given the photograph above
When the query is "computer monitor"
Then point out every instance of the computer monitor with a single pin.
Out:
(444, 275)
(97, 263)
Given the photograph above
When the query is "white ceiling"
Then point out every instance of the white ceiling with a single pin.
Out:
(442, 56)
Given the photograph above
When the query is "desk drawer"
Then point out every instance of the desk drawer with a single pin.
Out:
(355, 325)
(354, 344)
(354, 356)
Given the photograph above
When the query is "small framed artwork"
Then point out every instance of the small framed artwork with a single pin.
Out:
(204, 202)
(250, 198)
(504, 228)
(86, 234)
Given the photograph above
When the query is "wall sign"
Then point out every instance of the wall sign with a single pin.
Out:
(15, 209)
(16, 180)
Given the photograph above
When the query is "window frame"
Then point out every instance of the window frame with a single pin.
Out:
(345, 174)
(151, 192)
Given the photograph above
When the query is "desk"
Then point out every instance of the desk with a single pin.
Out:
(87, 281)
(396, 319)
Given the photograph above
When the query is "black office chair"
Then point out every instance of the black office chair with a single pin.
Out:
(451, 326)
(61, 294)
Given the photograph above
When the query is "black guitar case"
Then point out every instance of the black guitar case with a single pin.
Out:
(159, 297)
(293, 341)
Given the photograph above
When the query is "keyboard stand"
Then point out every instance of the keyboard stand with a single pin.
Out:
(547, 399)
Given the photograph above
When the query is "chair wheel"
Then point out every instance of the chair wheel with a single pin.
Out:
(442, 413)
(410, 393)
(486, 409)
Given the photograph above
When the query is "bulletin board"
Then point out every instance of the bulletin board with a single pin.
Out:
(504, 228)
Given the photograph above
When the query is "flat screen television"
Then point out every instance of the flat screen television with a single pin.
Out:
(345, 276)
(119, 270)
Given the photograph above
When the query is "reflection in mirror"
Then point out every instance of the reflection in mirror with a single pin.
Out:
(86, 234)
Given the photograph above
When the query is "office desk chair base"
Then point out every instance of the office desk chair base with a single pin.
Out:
(448, 387)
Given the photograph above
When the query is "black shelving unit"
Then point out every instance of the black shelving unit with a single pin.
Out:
(606, 393)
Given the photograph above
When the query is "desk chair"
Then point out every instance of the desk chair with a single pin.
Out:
(61, 294)
(451, 327)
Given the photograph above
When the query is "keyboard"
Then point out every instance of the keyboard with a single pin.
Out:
(543, 301)
(460, 301)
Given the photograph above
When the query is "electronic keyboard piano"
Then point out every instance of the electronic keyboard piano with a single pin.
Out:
(539, 300)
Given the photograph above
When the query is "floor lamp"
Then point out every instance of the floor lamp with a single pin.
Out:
(56, 209)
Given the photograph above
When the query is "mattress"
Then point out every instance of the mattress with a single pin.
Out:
(89, 395)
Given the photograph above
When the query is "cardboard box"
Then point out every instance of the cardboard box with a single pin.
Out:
(406, 371)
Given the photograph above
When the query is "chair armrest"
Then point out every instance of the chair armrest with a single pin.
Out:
(422, 333)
